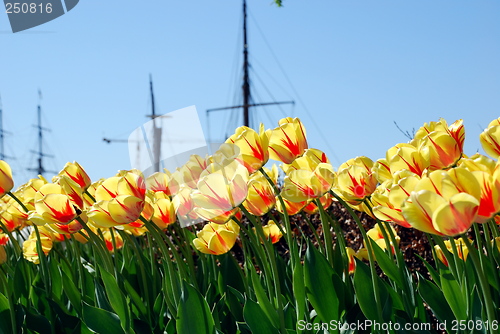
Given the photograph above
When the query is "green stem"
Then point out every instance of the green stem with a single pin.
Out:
(286, 219)
(43, 261)
(174, 276)
(12, 309)
(327, 234)
(274, 268)
(483, 282)
(371, 258)
(101, 248)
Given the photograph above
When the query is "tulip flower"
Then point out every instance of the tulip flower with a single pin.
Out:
(292, 208)
(221, 190)
(311, 158)
(189, 173)
(288, 141)
(462, 250)
(158, 182)
(326, 200)
(389, 197)
(53, 205)
(108, 239)
(381, 170)
(216, 239)
(355, 180)
(163, 212)
(444, 203)
(119, 199)
(73, 190)
(441, 150)
(378, 237)
(6, 181)
(272, 232)
(4, 238)
(30, 252)
(28, 190)
(406, 156)
(13, 221)
(184, 207)
(120, 210)
(253, 147)
(261, 197)
(308, 179)
(440, 144)
(75, 172)
(490, 139)
(351, 262)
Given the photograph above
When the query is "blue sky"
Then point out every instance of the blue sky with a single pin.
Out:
(355, 68)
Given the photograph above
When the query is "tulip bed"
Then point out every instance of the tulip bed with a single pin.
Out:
(223, 245)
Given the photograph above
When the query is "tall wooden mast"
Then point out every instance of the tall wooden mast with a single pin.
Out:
(246, 79)
(247, 96)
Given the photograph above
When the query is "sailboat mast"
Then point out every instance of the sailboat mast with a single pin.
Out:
(246, 79)
(40, 169)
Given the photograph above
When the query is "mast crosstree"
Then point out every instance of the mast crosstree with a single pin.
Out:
(40, 170)
(246, 92)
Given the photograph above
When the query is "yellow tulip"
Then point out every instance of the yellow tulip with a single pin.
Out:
(13, 221)
(253, 147)
(376, 235)
(75, 172)
(4, 238)
(53, 205)
(442, 145)
(261, 197)
(355, 180)
(444, 202)
(292, 208)
(311, 158)
(441, 150)
(220, 191)
(351, 262)
(122, 209)
(163, 212)
(462, 250)
(189, 173)
(288, 141)
(272, 232)
(389, 197)
(159, 182)
(216, 239)
(108, 239)
(313, 180)
(30, 252)
(184, 206)
(381, 170)
(406, 156)
(326, 200)
(490, 139)
(6, 181)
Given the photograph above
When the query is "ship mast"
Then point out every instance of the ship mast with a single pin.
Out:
(246, 81)
(40, 170)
